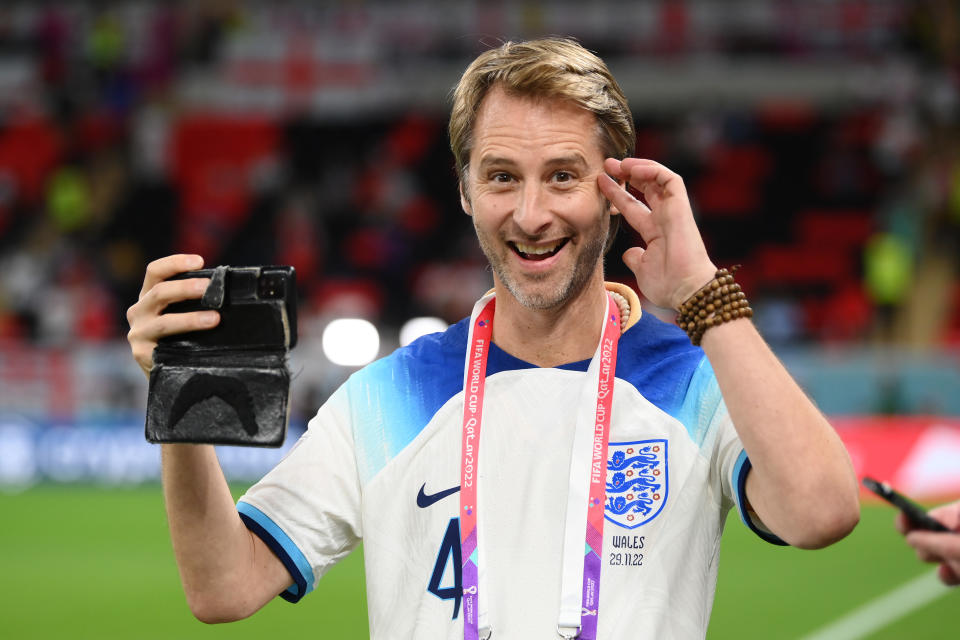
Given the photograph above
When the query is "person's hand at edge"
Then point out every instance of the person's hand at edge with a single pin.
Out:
(937, 547)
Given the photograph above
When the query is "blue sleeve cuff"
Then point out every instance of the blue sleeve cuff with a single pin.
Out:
(740, 471)
(284, 548)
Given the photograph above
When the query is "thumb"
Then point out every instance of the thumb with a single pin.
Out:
(632, 258)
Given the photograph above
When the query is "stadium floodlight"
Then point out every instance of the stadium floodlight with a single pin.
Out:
(351, 342)
(416, 327)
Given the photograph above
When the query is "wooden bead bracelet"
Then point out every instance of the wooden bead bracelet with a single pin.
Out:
(720, 300)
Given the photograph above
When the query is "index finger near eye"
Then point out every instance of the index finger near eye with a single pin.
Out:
(618, 195)
(163, 268)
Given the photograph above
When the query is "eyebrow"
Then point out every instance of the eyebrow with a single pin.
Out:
(573, 159)
(495, 161)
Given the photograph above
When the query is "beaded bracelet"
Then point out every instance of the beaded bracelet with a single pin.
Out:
(720, 300)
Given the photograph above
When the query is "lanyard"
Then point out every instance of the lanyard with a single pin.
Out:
(580, 586)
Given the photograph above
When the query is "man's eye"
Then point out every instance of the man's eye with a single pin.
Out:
(501, 177)
(562, 176)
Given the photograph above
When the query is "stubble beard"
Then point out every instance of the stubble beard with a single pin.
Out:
(524, 288)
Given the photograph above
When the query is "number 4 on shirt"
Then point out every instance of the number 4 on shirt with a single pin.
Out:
(449, 551)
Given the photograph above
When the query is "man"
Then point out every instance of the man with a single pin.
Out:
(578, 512)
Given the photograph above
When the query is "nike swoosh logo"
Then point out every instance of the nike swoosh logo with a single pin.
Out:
(424, 500)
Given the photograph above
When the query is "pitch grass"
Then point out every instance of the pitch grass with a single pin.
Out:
(84, 562)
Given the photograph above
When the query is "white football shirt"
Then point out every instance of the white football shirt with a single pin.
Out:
(380, 463)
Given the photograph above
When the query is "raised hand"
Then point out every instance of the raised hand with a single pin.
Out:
(675, 262)
(147, 321)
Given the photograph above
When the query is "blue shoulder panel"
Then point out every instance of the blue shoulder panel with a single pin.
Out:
(659, 361)
(394, 398)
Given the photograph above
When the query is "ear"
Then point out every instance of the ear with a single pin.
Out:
(464, 200)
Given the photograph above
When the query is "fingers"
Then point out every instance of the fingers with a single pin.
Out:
(632, 257)
(654, 180)
(935, 547)
(147, 329)
(949, 574)
(666, 224)
(638, 215)
(948, 514)
(663, 190)
(163, 268)
(166, 292)
(902, 523)
(150, 325)
(147, 321)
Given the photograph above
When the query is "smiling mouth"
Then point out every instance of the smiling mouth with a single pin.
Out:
(540, 252)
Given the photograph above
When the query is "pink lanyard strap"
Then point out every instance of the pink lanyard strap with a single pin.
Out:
(474, 385)
(475, 624)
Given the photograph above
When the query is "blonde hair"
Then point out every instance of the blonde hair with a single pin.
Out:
(558, 68)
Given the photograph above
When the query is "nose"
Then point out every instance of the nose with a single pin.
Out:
(532, 213)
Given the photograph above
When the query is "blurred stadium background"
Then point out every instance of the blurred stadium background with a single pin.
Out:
(820, 142)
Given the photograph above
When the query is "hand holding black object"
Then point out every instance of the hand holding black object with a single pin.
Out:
(942, 547)
(220, 383)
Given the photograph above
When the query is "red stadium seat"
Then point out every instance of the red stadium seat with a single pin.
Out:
(215, 160)
(29, 151)
(839, 228)
(820, 264)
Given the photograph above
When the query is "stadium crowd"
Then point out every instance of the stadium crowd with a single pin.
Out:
(846, 216)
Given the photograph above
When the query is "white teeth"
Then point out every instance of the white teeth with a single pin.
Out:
(532, 250)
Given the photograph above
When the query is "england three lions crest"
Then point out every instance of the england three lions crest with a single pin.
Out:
(636, 482)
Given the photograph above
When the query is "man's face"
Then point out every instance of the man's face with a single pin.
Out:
(532, 192)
